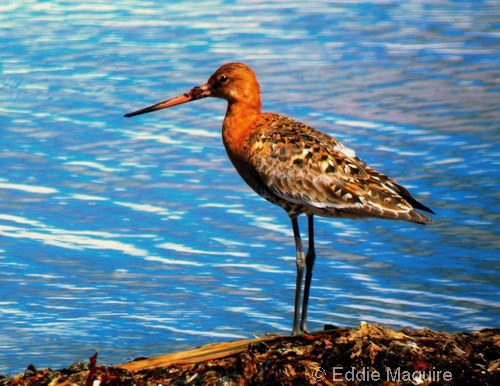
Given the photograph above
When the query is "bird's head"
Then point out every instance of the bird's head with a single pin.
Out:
(234, 82)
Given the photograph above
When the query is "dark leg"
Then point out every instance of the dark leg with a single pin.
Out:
(310, 259)
(300, 262)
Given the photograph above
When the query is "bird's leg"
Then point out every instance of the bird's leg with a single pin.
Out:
(310, 259)
(300, 262)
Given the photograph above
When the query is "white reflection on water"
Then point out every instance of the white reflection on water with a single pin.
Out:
(192, 251)
(151, 209)
(28, 188)
(95, 165)
(67, 239)
(210, 334)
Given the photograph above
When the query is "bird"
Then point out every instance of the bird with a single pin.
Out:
(301, 169)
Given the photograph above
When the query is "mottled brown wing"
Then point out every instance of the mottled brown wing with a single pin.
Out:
(305, 166)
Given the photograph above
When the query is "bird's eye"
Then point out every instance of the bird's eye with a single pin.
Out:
(223, 79)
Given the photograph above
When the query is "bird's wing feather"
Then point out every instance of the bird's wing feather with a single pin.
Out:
(308, 167)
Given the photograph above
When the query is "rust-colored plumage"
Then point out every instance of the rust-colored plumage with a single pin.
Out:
(297, 167)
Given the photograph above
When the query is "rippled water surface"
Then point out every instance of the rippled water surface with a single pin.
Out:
(135, 237)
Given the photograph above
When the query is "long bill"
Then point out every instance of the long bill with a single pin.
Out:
(191, 95)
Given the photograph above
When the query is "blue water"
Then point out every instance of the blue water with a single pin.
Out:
(135, 237)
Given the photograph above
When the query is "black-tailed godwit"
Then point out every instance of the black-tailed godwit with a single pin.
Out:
(297, 167)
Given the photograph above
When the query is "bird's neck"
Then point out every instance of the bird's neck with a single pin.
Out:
(238, 123)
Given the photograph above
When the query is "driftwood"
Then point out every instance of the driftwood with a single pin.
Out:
(197, 355)
(365, 355)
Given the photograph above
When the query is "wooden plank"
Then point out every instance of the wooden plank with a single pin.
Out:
(189, 357)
